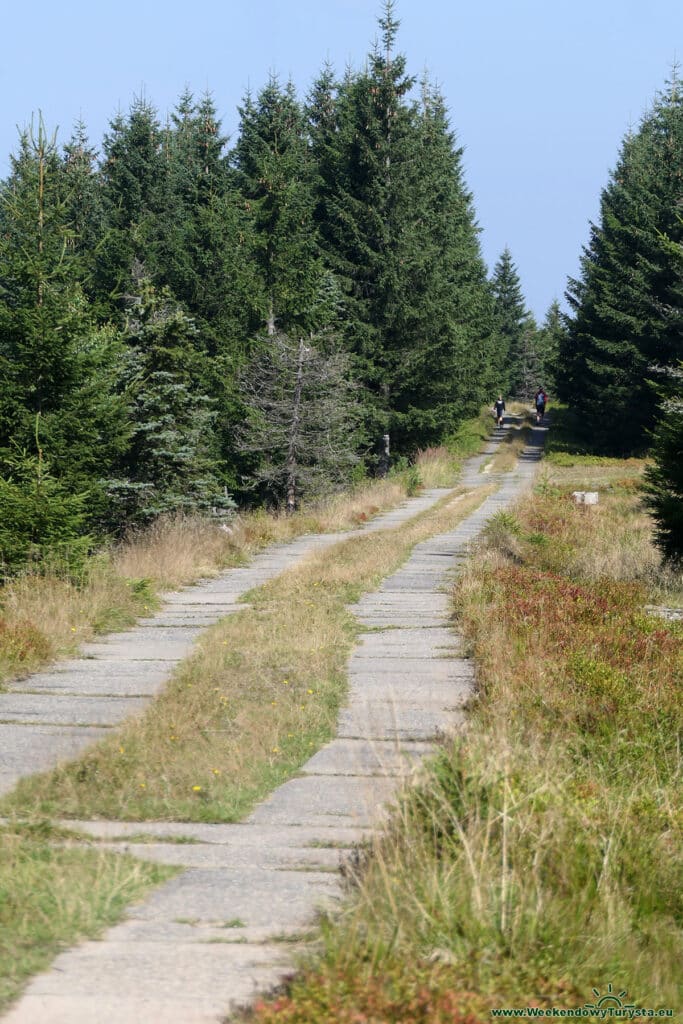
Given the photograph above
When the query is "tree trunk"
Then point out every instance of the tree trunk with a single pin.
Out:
(294, 432)
(270, 322)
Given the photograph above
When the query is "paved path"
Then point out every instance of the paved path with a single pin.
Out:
(54, 715)
(208, 940)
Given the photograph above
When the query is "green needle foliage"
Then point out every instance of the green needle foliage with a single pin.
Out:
(168, 465)
(136, 287)
(40, 522)
(513, 326)
(627, 309)
(56, 361)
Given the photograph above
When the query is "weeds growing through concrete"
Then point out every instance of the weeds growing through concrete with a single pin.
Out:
(53, 894)
(45, 615)
(254, 702)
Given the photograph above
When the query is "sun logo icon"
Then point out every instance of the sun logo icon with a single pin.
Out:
(610, 1000)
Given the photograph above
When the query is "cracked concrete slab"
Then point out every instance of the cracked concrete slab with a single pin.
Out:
(27, 749)
(407, 722)
(51, 709)
(367, 757)
(321, 800)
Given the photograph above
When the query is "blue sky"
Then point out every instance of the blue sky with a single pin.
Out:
(541, 92)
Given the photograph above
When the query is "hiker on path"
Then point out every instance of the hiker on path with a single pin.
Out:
(539, 401)
(498, 410)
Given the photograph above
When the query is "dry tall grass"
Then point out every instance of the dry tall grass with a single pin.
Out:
(514, 441)
(260, 694)
(175, 551)
(44, 615)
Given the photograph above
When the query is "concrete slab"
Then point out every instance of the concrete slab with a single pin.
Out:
(205, 599)
(237, 836)
(164, 984)
(439, 636)
(96, 684)
(102, 666)
(272, 856)
(316, 800)
(431, 668)
(393, 647)
(151, 650)
(364, 757)
(411, 693)
(253, 895)
(189, 618)
(195, 931)
(27, 749)
(53, 709)
(405, 722)
(392, 618)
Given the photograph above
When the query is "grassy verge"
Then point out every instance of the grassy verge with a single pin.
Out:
(514, 441)
(44, 616)
(541, 860)
(241, 715)
(53, 895)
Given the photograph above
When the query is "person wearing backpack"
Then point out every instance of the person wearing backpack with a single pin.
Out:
(539, 401)
(498, 410)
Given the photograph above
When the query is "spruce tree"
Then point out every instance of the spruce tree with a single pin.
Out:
(363, 206)
(169, 465)
(41, 522)
(84, 210)
(55, 362)
(301, 421)
(511, 319)
(551, 337)
(664, 477)
(626, 309)
(133, 176)
(453, 324)
(275, 176)
(397, 229)
(202, 249)
(528, 366)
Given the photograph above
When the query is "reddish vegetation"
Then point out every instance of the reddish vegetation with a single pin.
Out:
(342, 998)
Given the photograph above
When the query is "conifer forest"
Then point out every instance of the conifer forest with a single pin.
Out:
(184, 317)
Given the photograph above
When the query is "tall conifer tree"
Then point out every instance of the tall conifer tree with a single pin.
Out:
(551, 338)
(133, 180)
(275, 176)
(626, 305)
(511, 320)
(55, 363)
(169, 464)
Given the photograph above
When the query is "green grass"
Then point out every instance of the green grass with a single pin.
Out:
(470, 435)
(53, 894)
(542, 857)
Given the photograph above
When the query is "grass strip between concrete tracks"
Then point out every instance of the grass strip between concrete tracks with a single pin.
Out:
(53, 893)
(45, 614)
(540, 862)
(249, 707)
